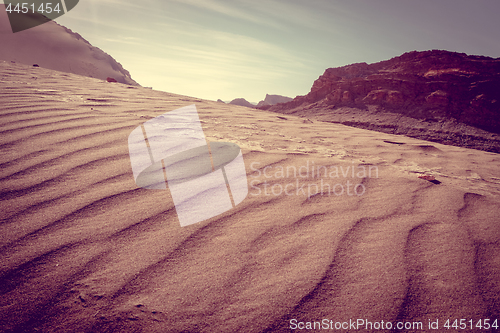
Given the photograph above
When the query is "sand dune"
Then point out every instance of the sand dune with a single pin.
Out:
(82, 249)
(53, 46)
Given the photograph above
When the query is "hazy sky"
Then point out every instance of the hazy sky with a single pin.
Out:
(246, 48)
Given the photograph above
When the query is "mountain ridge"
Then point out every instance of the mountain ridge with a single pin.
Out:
(273, 100)
(269, 100)
(242, 102)
(440, 92)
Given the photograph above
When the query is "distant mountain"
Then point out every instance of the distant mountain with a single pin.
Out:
(53, 46)
(242, 102)
(221, 101)
(441, 96)
(273, 100)
(268, 101)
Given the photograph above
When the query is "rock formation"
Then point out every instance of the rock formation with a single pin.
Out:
(435, 95)
(273, 100)
(268, 101)
(242, 102)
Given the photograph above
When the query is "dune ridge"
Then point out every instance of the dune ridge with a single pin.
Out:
(83, 249)
(53, 46)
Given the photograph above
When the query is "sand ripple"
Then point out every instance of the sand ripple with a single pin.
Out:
(84, 250)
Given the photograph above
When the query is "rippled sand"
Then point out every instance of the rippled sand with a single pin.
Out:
(82, 249)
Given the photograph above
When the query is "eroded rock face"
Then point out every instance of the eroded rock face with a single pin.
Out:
(434, 84)
(437, 99)
(274, 99)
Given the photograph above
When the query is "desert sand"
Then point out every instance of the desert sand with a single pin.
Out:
(83, 249)
(56, 47)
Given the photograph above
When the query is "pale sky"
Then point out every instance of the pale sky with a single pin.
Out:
(246, 48)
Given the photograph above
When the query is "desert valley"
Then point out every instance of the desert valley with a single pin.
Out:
(352, 222)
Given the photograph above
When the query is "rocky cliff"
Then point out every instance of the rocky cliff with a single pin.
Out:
(274, 99)
(441, 96)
